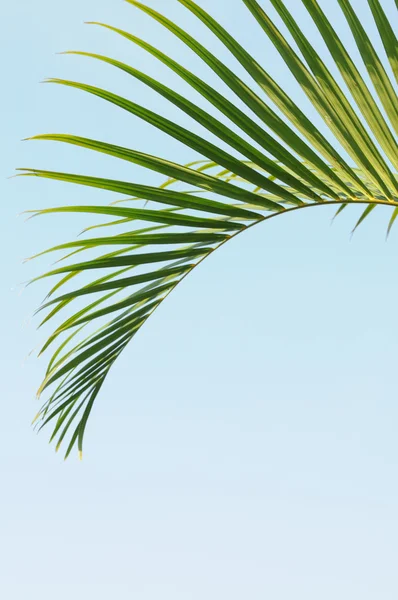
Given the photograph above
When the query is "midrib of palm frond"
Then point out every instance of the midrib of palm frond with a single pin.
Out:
(182, 228)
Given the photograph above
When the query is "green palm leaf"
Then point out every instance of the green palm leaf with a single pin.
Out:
(273, 165)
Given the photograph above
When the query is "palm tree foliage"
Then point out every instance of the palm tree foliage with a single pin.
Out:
(277, 164)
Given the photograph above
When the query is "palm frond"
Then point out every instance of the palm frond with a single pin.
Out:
(274, 165)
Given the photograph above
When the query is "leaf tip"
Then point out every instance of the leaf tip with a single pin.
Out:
(36, 418)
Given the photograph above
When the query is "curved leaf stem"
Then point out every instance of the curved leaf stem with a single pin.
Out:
(263, 218)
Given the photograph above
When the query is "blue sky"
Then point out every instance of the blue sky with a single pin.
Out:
(245, 446)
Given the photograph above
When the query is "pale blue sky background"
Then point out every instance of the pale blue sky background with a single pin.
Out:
(245, 446)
